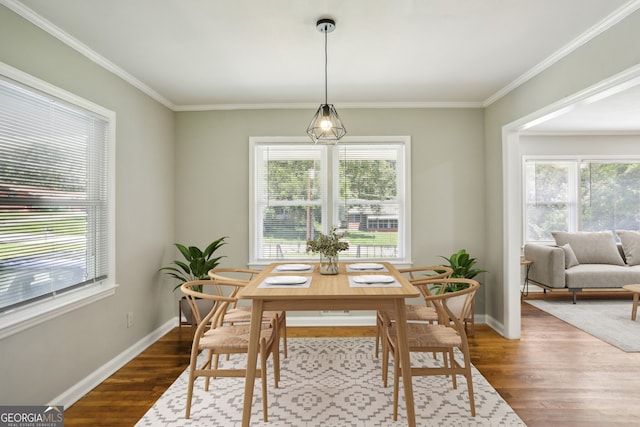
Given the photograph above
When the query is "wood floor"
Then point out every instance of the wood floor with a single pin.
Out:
(555, 375)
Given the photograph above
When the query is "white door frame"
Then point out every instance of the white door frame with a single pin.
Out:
(512, 183)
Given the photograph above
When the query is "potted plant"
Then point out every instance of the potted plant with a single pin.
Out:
(195, 266)
(328, 246)
(463, 267)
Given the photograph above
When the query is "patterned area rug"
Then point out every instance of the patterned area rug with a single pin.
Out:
(608, 320)
(331, 382)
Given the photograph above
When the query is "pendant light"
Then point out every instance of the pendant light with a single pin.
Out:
(326, 126)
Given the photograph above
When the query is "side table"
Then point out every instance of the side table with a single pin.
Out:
(636, 293)
(525, 285)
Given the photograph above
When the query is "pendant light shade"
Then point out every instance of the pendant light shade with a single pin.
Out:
(326, 126)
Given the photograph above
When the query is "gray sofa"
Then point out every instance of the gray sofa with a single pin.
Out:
(585, 260)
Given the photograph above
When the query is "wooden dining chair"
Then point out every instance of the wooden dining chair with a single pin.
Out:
(238, 314)
(442, 337)
(414, 312)
(215, 338)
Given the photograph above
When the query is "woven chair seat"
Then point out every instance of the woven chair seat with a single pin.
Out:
(243, 315)
(416, 312)
(232, 338)
(423, 335)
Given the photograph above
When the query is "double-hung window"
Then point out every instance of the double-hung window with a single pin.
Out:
(56, 212)
(298, 189)
(580, 194)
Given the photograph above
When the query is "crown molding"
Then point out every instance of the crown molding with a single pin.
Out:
(31, 16)
(591, 33)
(341, 106)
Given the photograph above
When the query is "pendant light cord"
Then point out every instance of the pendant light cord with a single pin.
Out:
(325, 67)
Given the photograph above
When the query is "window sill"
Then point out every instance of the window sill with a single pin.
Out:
(31, 315)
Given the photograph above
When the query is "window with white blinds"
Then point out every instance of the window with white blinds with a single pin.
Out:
(54, 207)
(299, 189)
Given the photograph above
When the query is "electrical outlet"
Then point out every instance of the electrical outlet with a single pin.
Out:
(129, 319)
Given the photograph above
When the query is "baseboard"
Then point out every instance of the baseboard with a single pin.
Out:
(494, 324)
(329, 320)
(350, 320)
(73, 394)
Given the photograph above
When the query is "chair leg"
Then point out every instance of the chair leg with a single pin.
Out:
(192, 379)
(385, 361)
(284, 334)
(470, 390)
(467, 374)
(276, 368)
(378, 333)
(396, 381)
(449, 361)
(275, 351)
(208, 364)
(187, 414)
(263, 377)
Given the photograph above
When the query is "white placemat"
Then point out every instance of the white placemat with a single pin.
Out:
(283, 285)
(356, 284)
(303, 268)
(366, 266)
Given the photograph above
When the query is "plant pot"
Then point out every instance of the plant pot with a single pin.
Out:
(328, 264)
(204, 306)
(455, 304)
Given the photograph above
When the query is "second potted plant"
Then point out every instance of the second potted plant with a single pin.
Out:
(462, 265)
(195, 266)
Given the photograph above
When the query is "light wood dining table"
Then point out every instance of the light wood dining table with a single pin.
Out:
(327, 292)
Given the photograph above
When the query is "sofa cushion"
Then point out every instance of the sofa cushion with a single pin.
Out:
(602, 276)
(570, 259)
(590, 247)
(631, 245)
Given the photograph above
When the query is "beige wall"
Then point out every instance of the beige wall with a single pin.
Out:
(183, 177)
(610, 53)
(446, 162)
(42, 362)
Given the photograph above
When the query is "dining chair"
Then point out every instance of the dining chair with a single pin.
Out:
(214, 337)
(414, 312)
(242, 313)
(442, 337)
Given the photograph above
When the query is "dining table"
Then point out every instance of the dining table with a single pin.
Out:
(282, 286)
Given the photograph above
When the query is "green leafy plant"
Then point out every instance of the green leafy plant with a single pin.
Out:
(196, 264)
(462, 265)
(328, 244)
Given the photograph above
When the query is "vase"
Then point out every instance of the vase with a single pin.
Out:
(328, 264)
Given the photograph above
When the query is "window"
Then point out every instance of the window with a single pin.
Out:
(299, 189)
(56, 211)
(580, 194)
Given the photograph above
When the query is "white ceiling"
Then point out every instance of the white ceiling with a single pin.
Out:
(203, 54)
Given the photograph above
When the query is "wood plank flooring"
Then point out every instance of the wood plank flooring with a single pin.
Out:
(554, 375)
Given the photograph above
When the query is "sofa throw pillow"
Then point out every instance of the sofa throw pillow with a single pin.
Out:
(631, 245)
(570, 259)
(597, 247)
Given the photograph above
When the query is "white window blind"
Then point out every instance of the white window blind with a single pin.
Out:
(300, 189)
(289, 198)
(369, 198)
(53, 195)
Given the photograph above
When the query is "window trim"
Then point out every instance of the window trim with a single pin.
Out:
(23, 317)
(404, 234)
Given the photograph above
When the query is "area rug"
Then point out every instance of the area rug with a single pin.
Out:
(332, 382)
(608, 320)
